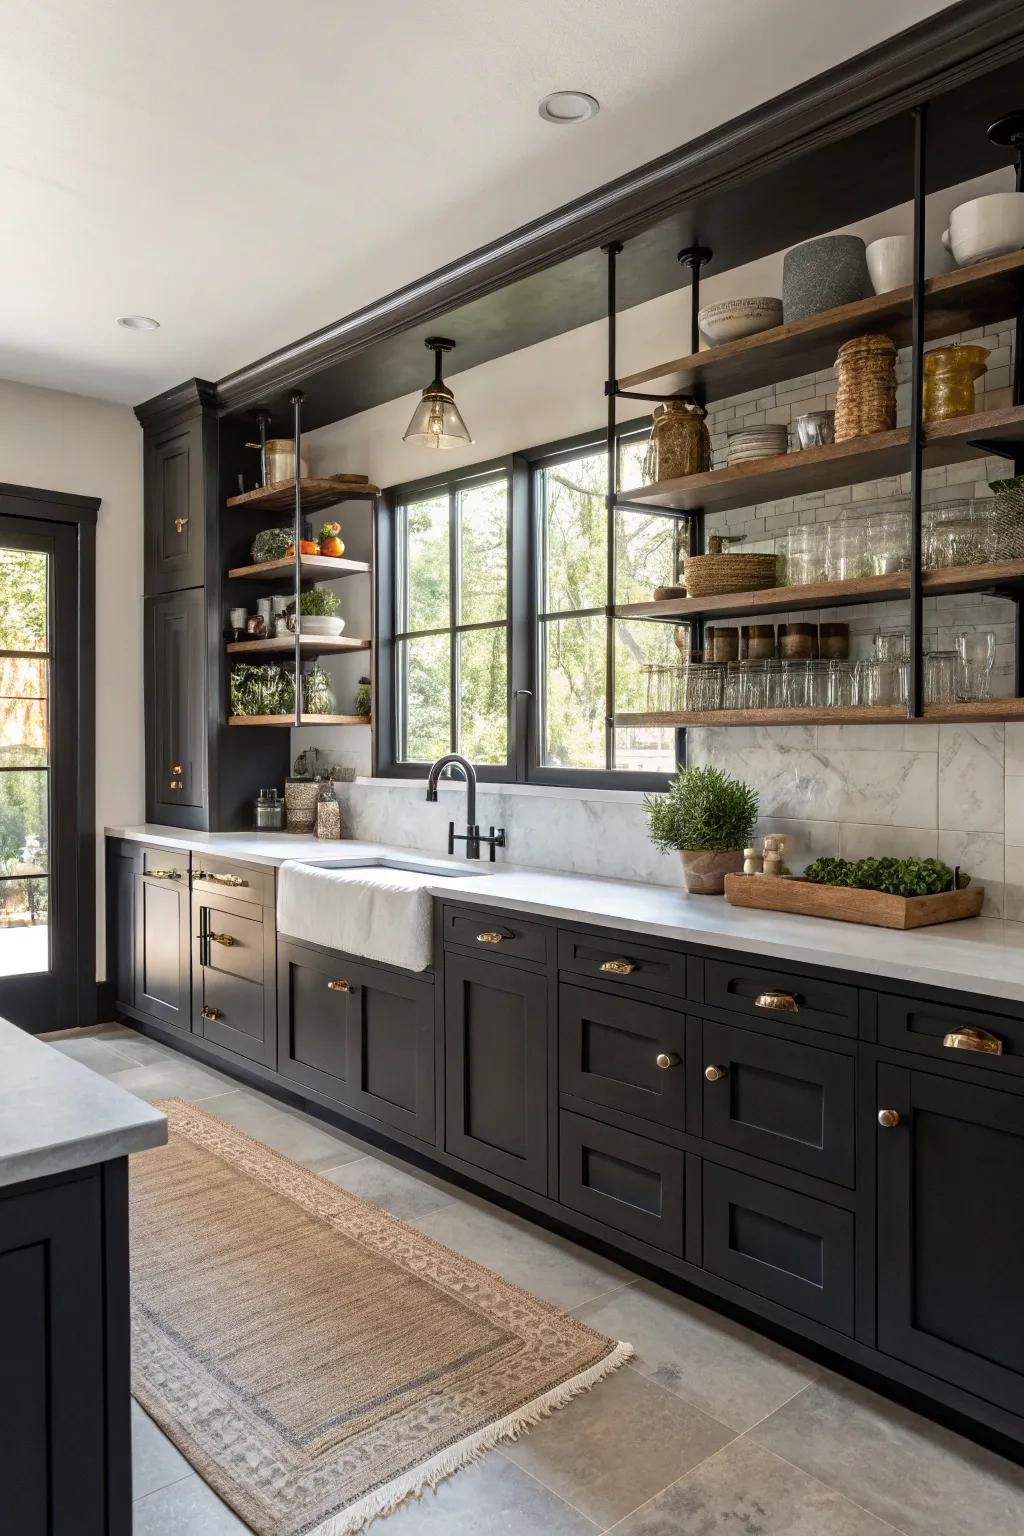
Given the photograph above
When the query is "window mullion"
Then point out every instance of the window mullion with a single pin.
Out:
(454, 613)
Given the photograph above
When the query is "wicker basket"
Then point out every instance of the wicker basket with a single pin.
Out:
(866, 388)
(710, 575)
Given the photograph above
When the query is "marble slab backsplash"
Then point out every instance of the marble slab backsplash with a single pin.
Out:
(954, 792)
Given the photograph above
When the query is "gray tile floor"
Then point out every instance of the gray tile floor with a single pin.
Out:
(710, 1430)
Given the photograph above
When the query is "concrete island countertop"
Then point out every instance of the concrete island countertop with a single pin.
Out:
(56, 1115)
(981, 956)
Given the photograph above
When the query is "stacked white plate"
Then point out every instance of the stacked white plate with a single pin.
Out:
(757, 442)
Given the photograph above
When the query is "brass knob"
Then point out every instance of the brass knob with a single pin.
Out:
(222, 938)
(666, 1059)
(212, 1013)
(779, 1002)
(887, 1118)
(177, 770)
(339, 986)
(163, 874)
(179, 524)
(972, 1039)
(714, 1074)
(490, 938)
(619, 968)
(176, 784)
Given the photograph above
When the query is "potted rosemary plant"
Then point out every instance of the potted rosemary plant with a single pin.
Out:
(709, 818)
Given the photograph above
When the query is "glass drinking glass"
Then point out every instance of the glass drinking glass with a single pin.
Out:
(846, 549)
(754, 684)
(732, 687)
(960, 533)
(888, 537)
(940, 677)
(842, 684)
(976, 653)
(803, 554)
(869, 683)
(892, 644)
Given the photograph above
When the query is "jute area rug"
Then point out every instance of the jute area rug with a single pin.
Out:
(316, 1360)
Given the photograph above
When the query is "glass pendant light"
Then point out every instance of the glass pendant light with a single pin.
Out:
(436, 421)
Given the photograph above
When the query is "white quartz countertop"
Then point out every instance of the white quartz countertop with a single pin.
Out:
(981, 956)
(56, 1115)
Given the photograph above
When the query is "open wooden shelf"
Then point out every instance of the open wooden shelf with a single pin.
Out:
(876, 714)
(309, 645)
(284, 721)
(1004, 575)
(821, 469)
(311, 568)
(317, 494)
(955, 301)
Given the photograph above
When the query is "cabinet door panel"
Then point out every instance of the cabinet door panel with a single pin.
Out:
(162, 948)
(790, 1103)
(609, 1049)
(633, 1184)
(391, 1046)
(174, 510)
(234, 986)
(313, 1027)
(175, 704)
(951, 1232)
(496, 1031)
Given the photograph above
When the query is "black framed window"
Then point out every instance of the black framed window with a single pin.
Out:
(511, 652)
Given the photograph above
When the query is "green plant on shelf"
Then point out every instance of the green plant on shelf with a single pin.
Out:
(704, 809)
(319, 603)
(897, 877)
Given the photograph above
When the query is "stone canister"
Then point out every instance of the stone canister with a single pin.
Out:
(328, 811)
(300, 798)
(822, 274)
(680, 443)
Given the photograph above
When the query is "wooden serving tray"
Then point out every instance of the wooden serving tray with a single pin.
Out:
(788, 893)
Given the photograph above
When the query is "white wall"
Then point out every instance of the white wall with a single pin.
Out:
(61, 442)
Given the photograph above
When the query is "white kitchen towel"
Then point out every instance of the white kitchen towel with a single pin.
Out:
(376, 913)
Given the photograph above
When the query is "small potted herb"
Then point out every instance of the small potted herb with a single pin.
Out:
(319, 610)
(709, 819)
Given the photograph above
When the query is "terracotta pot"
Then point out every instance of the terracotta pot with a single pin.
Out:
(704, 870)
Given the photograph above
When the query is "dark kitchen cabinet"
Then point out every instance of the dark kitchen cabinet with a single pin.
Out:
(622, 1054)
(626, 1181)
(951, 1231)
(124, 860)
(161, 940)
(175, 668)
(496, 1066)
(233, 975)
(175, 506)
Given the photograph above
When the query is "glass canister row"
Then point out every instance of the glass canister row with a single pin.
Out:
(875, 541)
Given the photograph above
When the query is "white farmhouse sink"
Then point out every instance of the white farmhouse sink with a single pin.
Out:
(381, 910)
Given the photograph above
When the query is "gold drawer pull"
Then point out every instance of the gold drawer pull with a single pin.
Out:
(491, 938)
(232, 880)
(212, 1013)
(972, 1039)
(339, 986)
(176, 784)
(888, 1118)
(179, 524)
(715, 1074)
(163, 874)
(222, 938)
(620, 968)
(666, 1059)
(176, 770)
(779, 1002)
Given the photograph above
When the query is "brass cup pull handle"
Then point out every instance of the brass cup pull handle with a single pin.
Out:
(491, 938)
(212, 1013)
(778, 1002)
(339, 986)
(666, 1059)
(222, 938)
(232, 880)
(715, 1074)
(973, 1039)
(163, 874)
(888, 1118)
(619, 968)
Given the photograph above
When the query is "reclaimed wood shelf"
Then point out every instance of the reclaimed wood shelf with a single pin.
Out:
(311, 568)
(999, 576)
(954, 301)
(821, 469)
(326, 491)
(994, 710)
(283, 721)
(311, 645)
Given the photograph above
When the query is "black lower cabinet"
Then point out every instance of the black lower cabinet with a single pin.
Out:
(65, 1430)
(778, 1244)
(621, 1053)
(496, 1068)
(626, 1181)
(361, 1034)
(233, 971)
(951, 1232)
(162, 946)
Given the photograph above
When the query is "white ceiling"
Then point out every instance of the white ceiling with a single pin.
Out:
(248, 171)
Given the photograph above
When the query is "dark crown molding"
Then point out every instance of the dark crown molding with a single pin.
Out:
(178, 402)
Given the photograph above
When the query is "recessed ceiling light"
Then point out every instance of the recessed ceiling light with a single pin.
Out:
(138, 322)
(568, 107)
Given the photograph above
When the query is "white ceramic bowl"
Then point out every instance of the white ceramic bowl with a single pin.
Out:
(985, 227)
(321, 624)
(736, 318)
(891, 262)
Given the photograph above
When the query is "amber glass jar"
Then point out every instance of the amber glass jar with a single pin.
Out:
(949, 375)
(758, 642)
(680, 443)
(798, 641)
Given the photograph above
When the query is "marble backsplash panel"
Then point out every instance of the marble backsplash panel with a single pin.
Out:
(954, 792)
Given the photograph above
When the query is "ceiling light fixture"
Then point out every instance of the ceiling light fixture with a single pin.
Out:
(436, 421)
(138, 322)
(568, 107)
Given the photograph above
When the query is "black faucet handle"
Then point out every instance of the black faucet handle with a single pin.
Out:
(451, 837)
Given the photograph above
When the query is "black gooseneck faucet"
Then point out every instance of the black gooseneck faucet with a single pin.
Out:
(472, 837)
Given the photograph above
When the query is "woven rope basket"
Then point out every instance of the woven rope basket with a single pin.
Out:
(710, 575)
(866, 387)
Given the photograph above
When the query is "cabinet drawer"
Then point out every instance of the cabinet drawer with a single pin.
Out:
(621, 1053)
(496, 934)
(799, 999)
(779, 1099)
(911, 1024)
(780, 1245)
(242, 882)
(232, 1013)
(624, 963)
(231, 939)
(625, 1181)
(165, 864)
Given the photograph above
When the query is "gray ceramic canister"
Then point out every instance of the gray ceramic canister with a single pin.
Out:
(823, 273)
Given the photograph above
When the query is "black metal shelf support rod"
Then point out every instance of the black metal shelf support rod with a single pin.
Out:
(297, 399)
(915, 691)
(613, 250)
